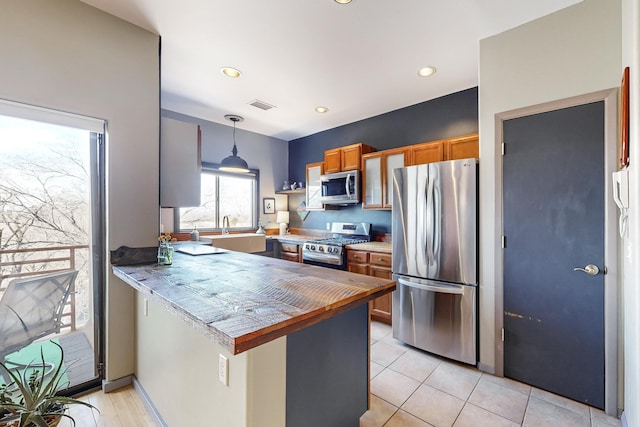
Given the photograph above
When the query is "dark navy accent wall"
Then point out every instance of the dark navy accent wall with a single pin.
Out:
(452, 115)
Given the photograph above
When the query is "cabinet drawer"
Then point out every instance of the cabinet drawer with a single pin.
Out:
(288, 247)
(358, 256)
(381, 259)
(380, 272)
(290, 256)
(358, 268)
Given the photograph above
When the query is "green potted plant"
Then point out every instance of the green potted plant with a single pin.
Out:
(30, 399)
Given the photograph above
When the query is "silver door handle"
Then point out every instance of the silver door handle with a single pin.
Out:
(446, 289)
(346, 185)
(590, 269)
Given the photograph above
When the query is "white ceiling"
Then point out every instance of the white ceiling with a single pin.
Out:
(359, 60)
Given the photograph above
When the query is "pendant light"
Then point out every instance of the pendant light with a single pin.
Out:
(234, 163)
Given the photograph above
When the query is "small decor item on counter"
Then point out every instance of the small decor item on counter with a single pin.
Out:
(286, 185)
(301, 184)
(195, 234)
(165, 250)
(294, 185)
(282, 218)
(260, 229)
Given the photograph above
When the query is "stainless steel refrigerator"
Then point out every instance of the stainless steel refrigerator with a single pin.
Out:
(434, 261)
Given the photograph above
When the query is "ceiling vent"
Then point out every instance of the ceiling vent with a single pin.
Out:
(261, 105)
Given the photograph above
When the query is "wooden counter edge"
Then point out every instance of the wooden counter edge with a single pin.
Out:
(262, 336)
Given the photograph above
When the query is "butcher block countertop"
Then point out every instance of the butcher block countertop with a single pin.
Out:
(242, 301)
(384, 247)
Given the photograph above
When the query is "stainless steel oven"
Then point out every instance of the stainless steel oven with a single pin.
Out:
(331, 252)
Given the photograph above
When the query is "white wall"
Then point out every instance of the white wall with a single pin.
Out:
(269, 155)
(631, 262)
(68, 56)
(177, 366)
(569, 53)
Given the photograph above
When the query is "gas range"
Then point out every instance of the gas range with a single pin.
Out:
(330, 252)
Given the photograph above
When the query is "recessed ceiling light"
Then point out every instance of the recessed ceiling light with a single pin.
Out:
(426, 71)
(230, 72)
(343, 1)
(322, 109)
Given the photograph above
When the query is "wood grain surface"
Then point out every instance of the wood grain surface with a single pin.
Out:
(384, 247)
(242, 301)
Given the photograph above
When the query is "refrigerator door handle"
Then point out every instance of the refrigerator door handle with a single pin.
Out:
(442, 289)
(430, 222)
(437, 231)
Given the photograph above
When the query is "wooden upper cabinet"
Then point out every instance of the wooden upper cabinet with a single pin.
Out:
(332, 160)
(346, 158)
(372, 181)
(352, 156)
(427, 152)
(314, 187)
(463, 147)
(377, 176)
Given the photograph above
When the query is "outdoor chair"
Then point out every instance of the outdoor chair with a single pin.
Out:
(31, 308)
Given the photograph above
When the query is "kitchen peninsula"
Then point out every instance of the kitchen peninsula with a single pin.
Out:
(296, 338)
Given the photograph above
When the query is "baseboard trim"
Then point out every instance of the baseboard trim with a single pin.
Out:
(109, 386)
(146, 400)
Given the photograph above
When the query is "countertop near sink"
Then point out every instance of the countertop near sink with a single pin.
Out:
(384, 247)
(296, 239)
(242, 242)
(242, 301)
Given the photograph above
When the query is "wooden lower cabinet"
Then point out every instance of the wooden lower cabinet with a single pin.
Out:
(375, 264)
(290, 252)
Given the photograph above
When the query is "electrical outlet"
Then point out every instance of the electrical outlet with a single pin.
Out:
(328, 226)
(223, 369)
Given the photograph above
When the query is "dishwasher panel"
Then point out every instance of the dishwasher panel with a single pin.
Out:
(437, 317)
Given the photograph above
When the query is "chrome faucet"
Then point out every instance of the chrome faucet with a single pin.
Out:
(225, 224)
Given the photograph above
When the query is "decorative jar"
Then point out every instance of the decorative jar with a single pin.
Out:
(165, 254)
(165, 250)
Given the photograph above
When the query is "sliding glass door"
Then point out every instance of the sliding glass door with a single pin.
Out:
(51, 222)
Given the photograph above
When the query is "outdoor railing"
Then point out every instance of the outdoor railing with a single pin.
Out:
(61, 258)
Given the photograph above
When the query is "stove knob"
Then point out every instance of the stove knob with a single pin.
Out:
(313, 247)
(329, 249)
(321, 249)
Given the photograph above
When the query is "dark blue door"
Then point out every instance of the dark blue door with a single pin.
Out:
(554, 222)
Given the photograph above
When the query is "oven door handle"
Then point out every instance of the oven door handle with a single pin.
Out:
(321, 258)
(442, 289)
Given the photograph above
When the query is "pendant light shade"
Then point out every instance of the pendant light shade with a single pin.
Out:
(234, 163)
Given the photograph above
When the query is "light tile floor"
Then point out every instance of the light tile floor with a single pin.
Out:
(411, 388)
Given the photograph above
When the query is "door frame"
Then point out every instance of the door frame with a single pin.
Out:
(611, 239)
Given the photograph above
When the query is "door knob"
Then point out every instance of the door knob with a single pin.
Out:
(590, 269)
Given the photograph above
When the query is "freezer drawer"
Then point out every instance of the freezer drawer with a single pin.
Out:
(437, 317)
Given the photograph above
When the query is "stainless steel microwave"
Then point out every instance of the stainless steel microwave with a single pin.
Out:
(340, 188)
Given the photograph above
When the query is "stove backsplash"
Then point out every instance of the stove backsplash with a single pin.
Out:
(317, 220)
